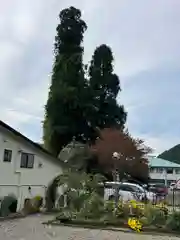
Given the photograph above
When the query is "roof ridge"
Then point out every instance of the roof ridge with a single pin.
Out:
(160, 162)
(26, 139)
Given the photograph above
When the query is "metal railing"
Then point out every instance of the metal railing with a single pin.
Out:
(171, 199)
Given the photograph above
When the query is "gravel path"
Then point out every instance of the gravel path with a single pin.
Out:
(30, 228)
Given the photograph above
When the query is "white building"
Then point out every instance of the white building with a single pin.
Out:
(26, 168)
(163, 171)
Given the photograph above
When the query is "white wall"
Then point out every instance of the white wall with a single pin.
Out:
(171, 177)
(14, 179)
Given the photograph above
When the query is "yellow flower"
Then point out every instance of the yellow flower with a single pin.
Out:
(133, 203)
(141, 206)
(135, 224)
(161, 205)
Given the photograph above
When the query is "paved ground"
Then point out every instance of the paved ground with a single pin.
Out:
(31, 228)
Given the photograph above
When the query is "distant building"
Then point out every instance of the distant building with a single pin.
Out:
(163, 171)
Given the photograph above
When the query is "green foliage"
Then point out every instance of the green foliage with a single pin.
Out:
(37, 201)
(65, 105)
(93, 207)
(76, 154)
(80, 156)
(92, 182)
(86, 204)
(77, 199)
(173, 221)
(154, 216)
(33, 205)
(109, 206)
(72, 180)
(79, 187)
(122, 210)
(172, 155)
(79, 103)
(104, 88)
(38, 198)
(80, 180)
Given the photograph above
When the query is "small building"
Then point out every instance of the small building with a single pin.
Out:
(163, 171)
(26, 168)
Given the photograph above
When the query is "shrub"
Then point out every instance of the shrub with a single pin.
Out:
(79, 187)
(146, 213)
(163, 208)
(93, 207)
(108, 211)
(38, 198)
(113, 140)
(154, 216)
(8, 205)
(109, 206)
(28, 207)
(33, 205)
(129, 209)
(173, 221)
(123, 210)
(37, 201)
(144, 221)
(136, 209)
(77, 199)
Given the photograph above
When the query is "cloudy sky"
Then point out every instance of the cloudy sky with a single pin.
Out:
(145, 39)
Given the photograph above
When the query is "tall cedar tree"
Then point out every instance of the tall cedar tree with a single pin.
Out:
(65, 105)
(105, 86)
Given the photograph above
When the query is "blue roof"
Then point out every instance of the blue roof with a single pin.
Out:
(159, 162)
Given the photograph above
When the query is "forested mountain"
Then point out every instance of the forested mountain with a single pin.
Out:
(173, 154)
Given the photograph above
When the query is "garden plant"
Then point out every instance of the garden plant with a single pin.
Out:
(86, 205)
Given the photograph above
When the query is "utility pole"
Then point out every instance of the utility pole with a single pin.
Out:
(116, 158)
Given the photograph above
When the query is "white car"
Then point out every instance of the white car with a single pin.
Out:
(172, 186)
(175, 185)
(127, 191)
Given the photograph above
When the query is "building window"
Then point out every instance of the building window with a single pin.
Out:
(159, 170)
(7, 155)
(27, 160)
(169, 171)
(177, 170)
(151, 170)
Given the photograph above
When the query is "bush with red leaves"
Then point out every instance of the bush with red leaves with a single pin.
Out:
(133, 154)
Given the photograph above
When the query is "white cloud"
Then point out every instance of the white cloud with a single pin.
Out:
(159, 143)
(16, 118)
(142, 33)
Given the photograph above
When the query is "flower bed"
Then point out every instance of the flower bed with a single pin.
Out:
(134, 215)
(85, 206)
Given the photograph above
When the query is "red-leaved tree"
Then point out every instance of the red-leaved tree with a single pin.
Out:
(133, 154)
